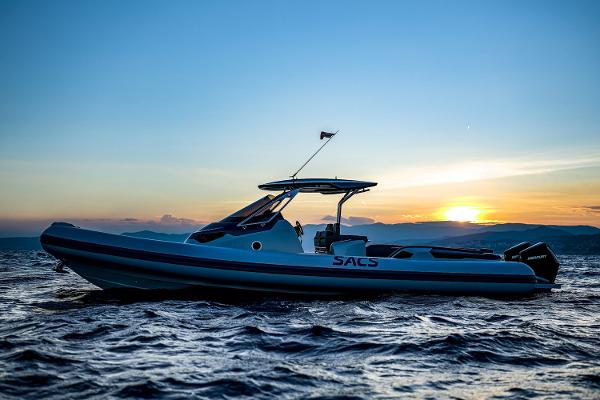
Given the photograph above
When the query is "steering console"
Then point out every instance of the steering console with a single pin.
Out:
(298, 228)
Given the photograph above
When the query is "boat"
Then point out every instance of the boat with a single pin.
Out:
(257, 249)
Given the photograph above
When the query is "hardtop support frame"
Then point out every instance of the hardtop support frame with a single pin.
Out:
(344, 199)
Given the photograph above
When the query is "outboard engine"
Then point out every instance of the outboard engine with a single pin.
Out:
(512, 254)
(539, 257)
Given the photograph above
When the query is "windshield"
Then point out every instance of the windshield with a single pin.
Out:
(251, 208)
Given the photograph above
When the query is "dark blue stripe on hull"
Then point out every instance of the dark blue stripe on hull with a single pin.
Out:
(216, 283)
(278, 269)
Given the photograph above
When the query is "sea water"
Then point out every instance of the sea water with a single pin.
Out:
(62, 337)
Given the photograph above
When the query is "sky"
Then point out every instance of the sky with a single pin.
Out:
(166, 115)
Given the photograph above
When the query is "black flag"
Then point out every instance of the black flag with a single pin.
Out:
(326, 135)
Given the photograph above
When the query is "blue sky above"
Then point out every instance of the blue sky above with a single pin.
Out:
(139, 109)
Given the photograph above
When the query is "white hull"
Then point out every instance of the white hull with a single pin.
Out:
(114, 261)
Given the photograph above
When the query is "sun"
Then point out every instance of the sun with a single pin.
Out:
(462, 214)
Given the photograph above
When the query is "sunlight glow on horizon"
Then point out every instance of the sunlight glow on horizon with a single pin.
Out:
(462, 214)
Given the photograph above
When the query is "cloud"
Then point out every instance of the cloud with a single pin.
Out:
(589, 209)
(350, 220)
(482, 170)
(168, 219)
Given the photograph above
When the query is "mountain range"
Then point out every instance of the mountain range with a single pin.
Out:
(575, 239)
(579, 239)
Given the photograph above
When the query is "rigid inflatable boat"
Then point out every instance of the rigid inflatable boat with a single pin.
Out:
(257, 249)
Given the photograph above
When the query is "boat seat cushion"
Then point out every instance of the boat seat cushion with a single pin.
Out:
(381, 250)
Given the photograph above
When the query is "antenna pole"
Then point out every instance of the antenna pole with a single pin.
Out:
(293, 176)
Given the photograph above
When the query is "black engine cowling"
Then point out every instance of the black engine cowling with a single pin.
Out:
(513, 253)
(539, 257)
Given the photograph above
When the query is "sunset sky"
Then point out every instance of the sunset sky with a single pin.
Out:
(165, 115)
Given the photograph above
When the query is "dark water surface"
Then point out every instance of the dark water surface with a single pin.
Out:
(60, 336)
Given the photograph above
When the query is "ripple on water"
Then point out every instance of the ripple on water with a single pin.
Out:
(96, 332)
(34, 356)
(143, 390)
